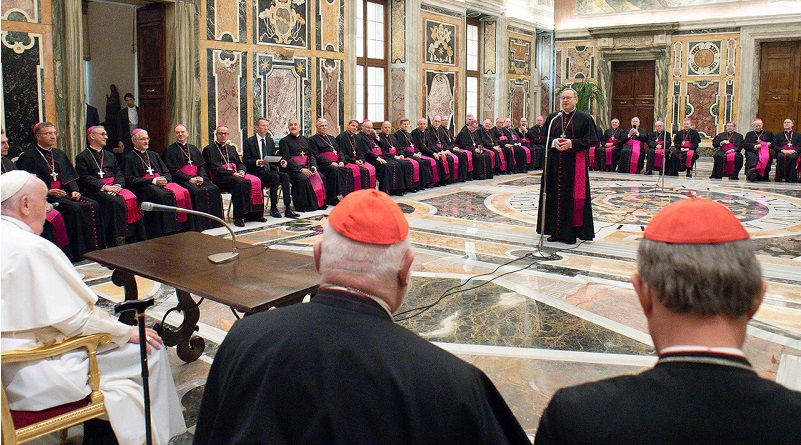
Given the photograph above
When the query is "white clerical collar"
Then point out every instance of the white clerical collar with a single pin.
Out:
(384, 305)
(16, 222)
(678, 349)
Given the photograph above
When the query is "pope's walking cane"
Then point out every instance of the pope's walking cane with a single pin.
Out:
(139, 306)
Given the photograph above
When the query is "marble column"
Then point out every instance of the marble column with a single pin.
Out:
(502, 66)
(69, 75)
(183, 68)
(413, 43)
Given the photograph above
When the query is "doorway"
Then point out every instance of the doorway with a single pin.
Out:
(633, 89)
(780, 84)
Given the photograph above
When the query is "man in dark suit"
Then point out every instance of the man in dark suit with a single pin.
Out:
(360, 379)
(128, 120)
(254, 150)
(699, 283)
(92, 117)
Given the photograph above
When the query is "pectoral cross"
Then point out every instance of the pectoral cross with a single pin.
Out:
(563, 135)
(54, 175)
(101, 174)
(302, 153)
(190, 160)
(149, 170)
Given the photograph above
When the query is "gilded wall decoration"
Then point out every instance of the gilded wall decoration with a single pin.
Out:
(702, 106)
(20, 10)
(579, 62)
(398, 29)
(282, 92)
(440, 43)
(584, 7)
(397, 94)
(703, 58)
(440, 90)
(330, 92)
(227, 88)
(330, 25)
(519, 56)
(488, 99)
(283, 22)
(731, 52)
(518, 99)
(23, 96)
(225, 20)
(489, 47)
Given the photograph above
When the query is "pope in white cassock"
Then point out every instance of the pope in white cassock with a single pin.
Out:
(44, 300)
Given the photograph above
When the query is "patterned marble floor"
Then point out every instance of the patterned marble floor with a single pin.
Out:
(535, 326)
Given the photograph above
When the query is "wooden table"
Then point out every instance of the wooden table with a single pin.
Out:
(259, 279)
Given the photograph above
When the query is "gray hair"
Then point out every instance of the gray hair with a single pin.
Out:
(379, 262)
(702, 279)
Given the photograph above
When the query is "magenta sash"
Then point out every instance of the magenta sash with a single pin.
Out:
(528, 154)
(256, 194)
(592, 155)
(469, 159)
(357, 176)
(411, 149)
(319, 188)
(659, 157)
(59, 228)
(331, 156)
(415, 169)
(579, 189)
(56, 185)
(434, 171)
(445, 167)
(689, 161)
(503, 138)
(728, 168)
(764, 157)
(527, 142)
(503, 160)
(182, 198)
(608, 151)
(370, 168)
(492, 158)
(439, 145)
(685, 144)
(377, 151)
(130, 202)
(635, 154)
(190, 170)
(455, 165)
(393, 150)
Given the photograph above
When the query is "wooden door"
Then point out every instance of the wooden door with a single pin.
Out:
(633, 88)
(780, 84)
(152, 61)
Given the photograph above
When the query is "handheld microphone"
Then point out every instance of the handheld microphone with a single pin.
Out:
(215, 258)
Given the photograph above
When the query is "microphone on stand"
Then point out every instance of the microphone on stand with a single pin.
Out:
(215, 258)
(543, 186)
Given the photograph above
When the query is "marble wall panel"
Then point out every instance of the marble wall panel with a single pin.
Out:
(579, 63)
(227, 93)
(488, 99)
(397, 94)
(225, 20)
(489, 47)
(282, 22)
(23, 95)
(519, 91)
(545, 100)
(330, 93)
(20, 10)
(440, 95)
(398, 30)
(281, 92)
(440, 42)
(557, 69)
(704, 58)
(677, 59)
(330, 25)
(519, 56)
(731, 53)
(702, 106)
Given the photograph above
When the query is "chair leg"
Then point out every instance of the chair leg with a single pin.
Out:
(63, 435)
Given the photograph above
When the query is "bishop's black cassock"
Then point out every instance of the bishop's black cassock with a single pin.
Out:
(141, 167)
(222, 161)
(632, 151)
(389, 173)
(390, 149)
(537, 136)
(727, 164)
(758, 155)
(608, 158)
(568, 212)
(471, 141)
(440, 173)
(354, 161)
(786, 163)
(338, 180)
(308, 193)
(689, 140)
(502, 140)
(410, 150)
(185, 161)
(119, 212)
(81, 218)
(659, 150)
(448, 164)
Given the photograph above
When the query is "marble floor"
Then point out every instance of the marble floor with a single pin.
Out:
(534, 326)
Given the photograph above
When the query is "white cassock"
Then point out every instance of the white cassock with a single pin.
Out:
(44, 300)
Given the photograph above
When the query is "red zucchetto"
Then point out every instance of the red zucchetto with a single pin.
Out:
(695, 221)
(369, 216)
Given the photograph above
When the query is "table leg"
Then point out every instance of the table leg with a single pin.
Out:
(127, 281)
(189, 348)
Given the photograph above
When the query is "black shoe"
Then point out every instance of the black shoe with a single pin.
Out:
(648, 173)
(257, 218)
(275, 213)
(552, 239)
(734, 178)
(291, 214)
(689, 174)
(239, 222)
(752, 175)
